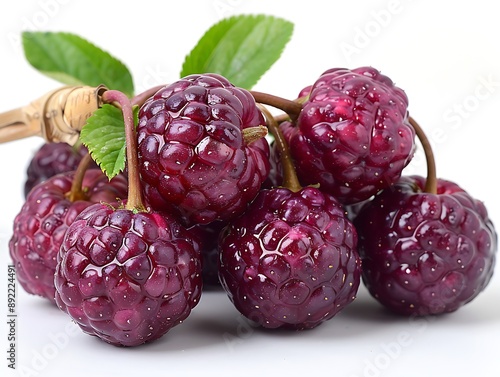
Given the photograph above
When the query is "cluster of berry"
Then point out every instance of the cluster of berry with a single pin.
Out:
(288, 225)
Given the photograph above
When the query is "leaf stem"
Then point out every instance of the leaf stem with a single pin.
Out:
(77, 192)
(292, 108)
(134, 200)
(431, 181)
(290, 179)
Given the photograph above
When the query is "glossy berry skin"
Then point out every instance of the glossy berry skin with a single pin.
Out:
(40, 225)
(127, 277)
(352, 135)
(51, 159)
(290, 261)
(193, 159)
(208, 237)
(425, 253)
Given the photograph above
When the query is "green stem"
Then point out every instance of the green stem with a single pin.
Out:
(302, 99)
(290, 179)
(77, 192)
(292, 108)
(134, 200)
(431, 181)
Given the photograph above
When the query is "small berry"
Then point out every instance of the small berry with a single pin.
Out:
(291, 260)
(40, 225)
(352, 136)
(425, 253)
(193, 158)
(51, 159)
(127, 277)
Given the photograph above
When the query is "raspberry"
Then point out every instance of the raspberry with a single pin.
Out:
(40, 225)
(51, 159)
(353, 136)
(425, 253)
(290, 261)
(127, 277)
(193, 159)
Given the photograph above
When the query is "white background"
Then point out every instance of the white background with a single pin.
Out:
(445, 55)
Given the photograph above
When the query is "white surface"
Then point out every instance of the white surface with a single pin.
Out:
(445, 55)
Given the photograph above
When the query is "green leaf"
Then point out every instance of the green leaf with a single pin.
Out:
(73, 60)
(241, 48)
(104, 136)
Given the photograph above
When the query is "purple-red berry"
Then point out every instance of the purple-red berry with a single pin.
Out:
(194, 160)
(40, 225)
(425, 253)
(291, 260)
(352, 136)
(127, 277)
(51, 159)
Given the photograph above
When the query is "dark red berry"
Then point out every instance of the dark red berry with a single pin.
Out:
(127, 277)
(40, 225)
(51, 159)
(291, 260)
(425, 253)
(353, 136)
(352, 210)
(208, 236)
(193, 158)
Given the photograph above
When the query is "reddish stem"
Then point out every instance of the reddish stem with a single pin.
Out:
(292, 108)
(281, 118)
(140, 98)
(431, 181)
(134, 200)
(285, 117)
(290, 179)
